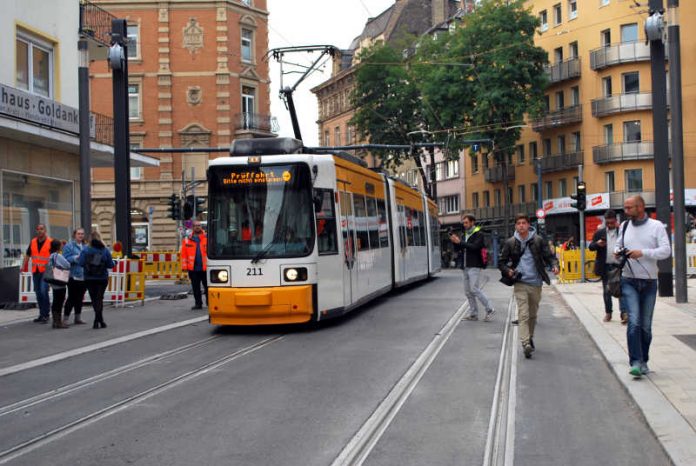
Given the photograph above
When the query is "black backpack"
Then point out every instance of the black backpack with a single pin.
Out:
(95, 265)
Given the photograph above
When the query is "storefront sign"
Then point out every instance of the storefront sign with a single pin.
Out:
(561, 205)
(38, 109)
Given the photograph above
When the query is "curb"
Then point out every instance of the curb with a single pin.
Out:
(675, 434)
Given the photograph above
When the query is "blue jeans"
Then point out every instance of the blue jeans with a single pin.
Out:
(639, 298)
(41, 290)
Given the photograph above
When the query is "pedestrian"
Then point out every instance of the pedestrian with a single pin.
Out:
(38, 252)
(194, 257)
(96, 261)
(604, 240)
(57, 261)
(569, 245)
(76, 285)
(470, 247)
(524, 258)
(643, 241)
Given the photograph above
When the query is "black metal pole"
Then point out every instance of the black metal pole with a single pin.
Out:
(85, 165)
(661, 144)
(287, 92)
(540, 199)
(433, 175)
(121, 139)
(677, 146)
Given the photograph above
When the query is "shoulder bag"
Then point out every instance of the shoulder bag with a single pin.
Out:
(614, 274)
(54, 275)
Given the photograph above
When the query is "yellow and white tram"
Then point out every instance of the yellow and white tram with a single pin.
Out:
(296, 237)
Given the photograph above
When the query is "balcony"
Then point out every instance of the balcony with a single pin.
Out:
(622, 103)
(558, 118)
(616, 199)
(95, 25)
(498, 212)
(567, 69)
(623, 151)
(255, 124)
(495, 174)
(560, 162)
(628, 52)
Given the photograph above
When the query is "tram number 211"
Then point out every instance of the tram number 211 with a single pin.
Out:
(254, 271)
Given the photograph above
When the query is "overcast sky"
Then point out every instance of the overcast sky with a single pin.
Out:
(312, 22)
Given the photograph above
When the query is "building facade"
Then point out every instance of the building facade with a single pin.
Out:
(197, 78)
(598, 117)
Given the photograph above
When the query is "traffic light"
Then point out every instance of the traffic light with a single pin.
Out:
(580, 197)
(200, 206)
(193, 206)
(174, 207)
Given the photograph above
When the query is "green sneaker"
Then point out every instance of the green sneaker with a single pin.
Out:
(636, 372)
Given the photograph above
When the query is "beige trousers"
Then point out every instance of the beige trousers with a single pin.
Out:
(527, 297)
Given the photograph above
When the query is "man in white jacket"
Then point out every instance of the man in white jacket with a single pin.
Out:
(645, 241)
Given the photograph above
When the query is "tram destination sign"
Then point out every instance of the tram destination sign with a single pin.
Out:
(251, 177)
(40, 110)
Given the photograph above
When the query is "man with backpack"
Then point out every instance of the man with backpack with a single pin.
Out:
(474, 258)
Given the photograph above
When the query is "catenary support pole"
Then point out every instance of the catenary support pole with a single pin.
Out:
(582, 233)
(85, 164)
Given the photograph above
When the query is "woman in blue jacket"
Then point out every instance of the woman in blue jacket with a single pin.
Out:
(76, 285)
(96, 261)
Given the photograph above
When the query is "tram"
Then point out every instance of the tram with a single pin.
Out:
(298, 237)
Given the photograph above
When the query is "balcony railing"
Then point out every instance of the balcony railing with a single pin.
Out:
(567, 69)
(622, 103)
(625, 52)
(255, 122)
(616, 199)
(610, 153)
(495, 174)
(555, 119)
(559, 162)
(95, 23)
(493, 212)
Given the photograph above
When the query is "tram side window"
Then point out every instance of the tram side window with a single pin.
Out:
(417, 229)
(361, 223)
(326, 223)
(402, 226)
(410, 240)
(372, 219)
(382, 224)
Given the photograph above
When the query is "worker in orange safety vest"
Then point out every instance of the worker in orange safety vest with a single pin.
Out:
(38, 252)
(194, 257)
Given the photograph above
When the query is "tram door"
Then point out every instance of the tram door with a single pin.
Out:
(348, 234)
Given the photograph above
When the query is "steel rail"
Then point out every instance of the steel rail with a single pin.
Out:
(59, 432)
(359, 447)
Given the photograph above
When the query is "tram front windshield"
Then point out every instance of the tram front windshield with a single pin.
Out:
(259, 212)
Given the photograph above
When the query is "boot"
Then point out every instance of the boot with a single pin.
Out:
(79, 321)
(58, 320)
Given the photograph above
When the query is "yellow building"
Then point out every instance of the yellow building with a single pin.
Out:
(599, 115)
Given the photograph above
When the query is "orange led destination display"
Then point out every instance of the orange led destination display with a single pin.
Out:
(255, 177)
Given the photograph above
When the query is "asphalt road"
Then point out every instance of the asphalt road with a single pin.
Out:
(196, 394)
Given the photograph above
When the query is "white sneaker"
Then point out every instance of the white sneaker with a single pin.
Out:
(489, 315)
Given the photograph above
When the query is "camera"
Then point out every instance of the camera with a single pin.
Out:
(622, 255)
(505, 279)
(450, 231)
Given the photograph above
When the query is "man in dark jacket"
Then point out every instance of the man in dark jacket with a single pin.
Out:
(470, 247)
(604, 242)
(525, 257)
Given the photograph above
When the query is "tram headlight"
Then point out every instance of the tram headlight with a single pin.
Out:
(295, 274)
(219, 276)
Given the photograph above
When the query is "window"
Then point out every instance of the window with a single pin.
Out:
(326, 222)
(557, 14)
(497, 197)
(520, 154)
(449, 204)
(609, 134)
(572, 9)
(247, 2)
(575, 95)
(605, 37)
(337, 136)
(603, 2)
(134, 101)
(475, 200)
(609, 183)
(133, 37)
(573, 49)
(560, 100)
(509, 158)
(549, 190)
(547, 103)
(535, 191)
(452, 169)
(382, 224)
(484, 160)
(632, 131)
(136, 173)
(606, 86)
(34, 65)
(521, 194)
(576, 180)
(544, 20)
(247, 45)
(509, 195)
(558, 54)
(372, 222)
(361, 223)
(634, 180)
(249, 106)
(577, 142)
(547, 147)
(562, 188)
(533, 150)
(474, 163)
(631, 82)
(486, 199)
(349, 134)
(327, 139)
(629, 33)
(561, 143)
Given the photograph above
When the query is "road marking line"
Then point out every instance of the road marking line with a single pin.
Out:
(362, 443)
(96, 346)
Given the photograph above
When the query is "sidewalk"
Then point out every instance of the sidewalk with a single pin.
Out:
(667, 396)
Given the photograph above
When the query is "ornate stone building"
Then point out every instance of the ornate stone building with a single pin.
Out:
(197, 78)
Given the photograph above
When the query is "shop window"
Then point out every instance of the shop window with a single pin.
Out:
(34, 65)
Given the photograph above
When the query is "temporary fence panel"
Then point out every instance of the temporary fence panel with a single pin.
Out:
(691, 259)
(162, 265)
(570, 266)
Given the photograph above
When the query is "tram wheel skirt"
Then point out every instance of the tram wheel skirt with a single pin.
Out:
(260, 306)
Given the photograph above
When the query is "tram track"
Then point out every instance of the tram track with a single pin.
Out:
(361, 444)
(114, 408)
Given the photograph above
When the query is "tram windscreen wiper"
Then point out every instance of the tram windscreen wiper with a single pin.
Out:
(264, 252)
